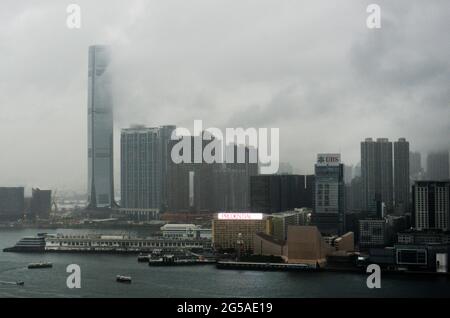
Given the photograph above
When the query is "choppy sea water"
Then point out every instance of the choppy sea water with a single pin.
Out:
(98, 273)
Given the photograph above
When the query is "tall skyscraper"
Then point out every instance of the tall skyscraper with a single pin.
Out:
(140, 168)
(329, 214)
(376, 173)
(100, 129)
(431, 205)
(401, 175)
(438, 166)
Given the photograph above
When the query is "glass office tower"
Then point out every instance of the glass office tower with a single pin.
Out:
(100, 129)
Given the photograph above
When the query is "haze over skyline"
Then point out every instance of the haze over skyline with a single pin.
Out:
(312, 69)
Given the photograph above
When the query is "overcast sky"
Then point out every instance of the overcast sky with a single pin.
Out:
(311, 68)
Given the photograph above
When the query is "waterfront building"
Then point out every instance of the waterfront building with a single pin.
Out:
(423, 237)
(304, 245)
(431, 200)
(231, 230)
(185, 231)
(41, 203)
(345, 242)
(402, 187)
(100, 129)
(438, 166)
(329, 213)
(140, 168)
(412, 257)
(12, 203)
(376, 173)
(119, 243)
(373, 233)
(282, 220)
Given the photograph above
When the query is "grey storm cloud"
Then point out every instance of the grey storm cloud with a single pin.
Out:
(311, 68)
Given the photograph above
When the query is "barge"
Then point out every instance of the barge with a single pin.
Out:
(172, 260)
(40, 265)
(266, 266)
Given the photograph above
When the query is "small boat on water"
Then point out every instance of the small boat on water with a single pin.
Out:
(40, 265)
(18, 283)
(143, 258)
(123, 279)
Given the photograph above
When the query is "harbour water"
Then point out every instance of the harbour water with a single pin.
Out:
(98, 278)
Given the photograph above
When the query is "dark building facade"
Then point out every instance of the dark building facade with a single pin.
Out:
(438, 166)
(140, 168)
(329, 205)
(431, 201)
(354, 196)
(402, 187)
(41, 204)
(278, 193)
(12, 203)
(209, 187)
(377, 173)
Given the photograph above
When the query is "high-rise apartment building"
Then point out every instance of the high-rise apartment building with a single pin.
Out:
(377, 174)
(401, 176)
(431, 205)
(165, 133)
(140, 168)
(100, 129)
(438, 166)
(210, 187)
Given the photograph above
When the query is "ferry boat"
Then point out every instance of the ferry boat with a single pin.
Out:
(40, 265)
(29, 244)
(123, 279)
(143, 258)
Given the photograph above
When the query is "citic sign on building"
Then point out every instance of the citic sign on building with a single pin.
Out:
(328, 159)
(239, 216)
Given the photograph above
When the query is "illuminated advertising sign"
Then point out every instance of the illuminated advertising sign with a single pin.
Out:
(328, 159)
(239, 216)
